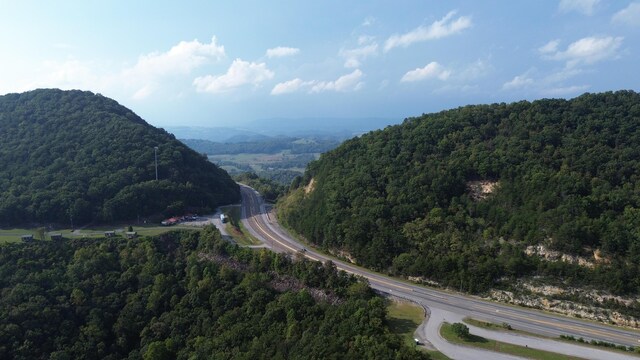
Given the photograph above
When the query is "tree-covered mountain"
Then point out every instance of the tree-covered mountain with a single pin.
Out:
(77, 156)
(457, 196)
(184, 295)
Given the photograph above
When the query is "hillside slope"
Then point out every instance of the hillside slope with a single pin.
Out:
(76, 156)
(184, 295)
(458, 196)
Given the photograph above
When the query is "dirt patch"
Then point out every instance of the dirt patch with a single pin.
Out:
(481, 189)
(310, 187)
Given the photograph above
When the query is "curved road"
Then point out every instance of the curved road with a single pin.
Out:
(263, 226)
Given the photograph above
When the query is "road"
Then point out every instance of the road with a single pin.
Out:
(265, 227)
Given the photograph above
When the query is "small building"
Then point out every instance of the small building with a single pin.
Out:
(27, 237)
(109, 234)
(56, 237)
(131, 234)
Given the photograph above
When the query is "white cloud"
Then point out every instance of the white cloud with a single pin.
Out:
(588, 50)
(442, 28)
(239, 73)
(353, 57)
(518, 82)
(281, 51)
(180, 59)
(349, 82)
(585, 7)
(151, 69)
(550, 47)
(629, 15)
(430, 71)
(290, 86)
(567, 90)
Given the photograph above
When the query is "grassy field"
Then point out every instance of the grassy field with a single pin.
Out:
(260, 162)
(236, 229)
(403, 319)
(498, 346)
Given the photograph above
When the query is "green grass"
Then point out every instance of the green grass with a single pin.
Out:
(403, 318)
(494, 326)
(498, 327)
(437, 355)
(236, 229)
(498, 346)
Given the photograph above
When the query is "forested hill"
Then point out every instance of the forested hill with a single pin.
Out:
(187, 295)
(74, 155)
(457, 196)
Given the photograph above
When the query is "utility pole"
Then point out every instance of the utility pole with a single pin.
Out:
(155, 153)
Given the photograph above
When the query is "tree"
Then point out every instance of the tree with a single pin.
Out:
(461, 330)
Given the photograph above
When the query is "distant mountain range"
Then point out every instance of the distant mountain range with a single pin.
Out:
(257, 130)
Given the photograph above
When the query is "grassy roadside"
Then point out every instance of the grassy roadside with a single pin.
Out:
(235, 228)
(492, 345)
(498, 327)
(403, 318)
(503, 327)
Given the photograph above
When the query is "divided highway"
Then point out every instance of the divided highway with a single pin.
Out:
(265, 227)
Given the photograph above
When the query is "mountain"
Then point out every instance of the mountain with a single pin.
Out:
(76, 157)
(215, 134)
(342, 128)
(265, 129)
(476, 195)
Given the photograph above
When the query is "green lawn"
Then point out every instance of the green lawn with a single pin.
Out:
(498, 346)
(236, 229)
(403, 318)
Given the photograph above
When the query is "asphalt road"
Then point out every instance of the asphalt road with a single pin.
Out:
(265, 227)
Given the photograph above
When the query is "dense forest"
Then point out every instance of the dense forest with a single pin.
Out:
(563, 174)
(184, 295)
(76, 157)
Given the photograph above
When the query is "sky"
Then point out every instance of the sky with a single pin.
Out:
(226, 63)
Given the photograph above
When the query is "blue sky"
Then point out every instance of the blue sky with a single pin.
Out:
(223, 63)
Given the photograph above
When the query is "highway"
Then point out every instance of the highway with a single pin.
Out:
(264, 226)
